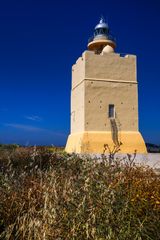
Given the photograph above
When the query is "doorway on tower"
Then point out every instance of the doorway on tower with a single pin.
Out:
(111, 111)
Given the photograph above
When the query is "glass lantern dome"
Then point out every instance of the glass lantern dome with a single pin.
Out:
(101, 37)
(101, 29)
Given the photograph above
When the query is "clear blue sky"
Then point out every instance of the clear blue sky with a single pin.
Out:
(39, 42)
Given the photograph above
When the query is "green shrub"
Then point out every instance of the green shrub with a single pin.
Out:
(54, 195)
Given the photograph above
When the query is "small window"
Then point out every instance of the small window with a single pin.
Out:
(111, 111)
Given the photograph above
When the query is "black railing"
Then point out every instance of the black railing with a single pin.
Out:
(109, 37)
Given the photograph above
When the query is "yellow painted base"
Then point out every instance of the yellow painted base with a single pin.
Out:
(93, 142)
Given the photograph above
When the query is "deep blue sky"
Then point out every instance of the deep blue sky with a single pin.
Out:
(39, 42)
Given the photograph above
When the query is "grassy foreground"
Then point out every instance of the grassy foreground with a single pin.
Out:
(45, 194)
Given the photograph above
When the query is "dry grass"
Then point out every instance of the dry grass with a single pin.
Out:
(53, 195)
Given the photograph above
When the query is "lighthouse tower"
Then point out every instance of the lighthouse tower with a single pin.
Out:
(104, 98)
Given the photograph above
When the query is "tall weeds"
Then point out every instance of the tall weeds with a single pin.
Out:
(52, 195)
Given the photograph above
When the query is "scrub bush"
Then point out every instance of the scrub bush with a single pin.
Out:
(53, 195)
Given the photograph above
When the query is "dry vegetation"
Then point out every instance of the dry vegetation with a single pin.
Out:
(48, 194)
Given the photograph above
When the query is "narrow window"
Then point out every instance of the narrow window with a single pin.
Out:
(111, 111)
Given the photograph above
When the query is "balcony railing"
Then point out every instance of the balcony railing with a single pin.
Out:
(109, 37)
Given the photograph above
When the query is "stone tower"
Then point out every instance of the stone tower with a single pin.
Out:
(104, 99)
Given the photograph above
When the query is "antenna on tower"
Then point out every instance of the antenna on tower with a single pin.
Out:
(102, 20)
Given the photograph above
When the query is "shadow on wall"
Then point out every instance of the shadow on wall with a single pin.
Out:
(115, 139)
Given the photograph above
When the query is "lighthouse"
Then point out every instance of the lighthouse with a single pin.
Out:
(104, 98)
